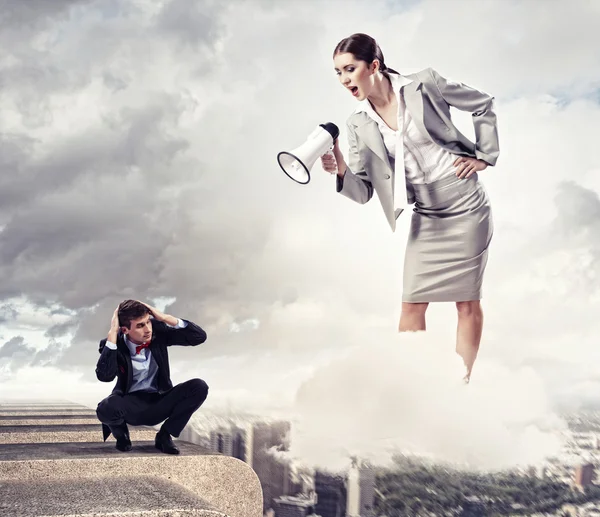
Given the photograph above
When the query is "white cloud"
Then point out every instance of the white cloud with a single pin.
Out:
(405, 393)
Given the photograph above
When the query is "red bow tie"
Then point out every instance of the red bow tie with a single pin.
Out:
(139, 348)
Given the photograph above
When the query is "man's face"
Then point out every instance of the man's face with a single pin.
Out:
(140, 330)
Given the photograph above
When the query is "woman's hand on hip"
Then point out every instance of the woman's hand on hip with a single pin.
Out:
(466, 167)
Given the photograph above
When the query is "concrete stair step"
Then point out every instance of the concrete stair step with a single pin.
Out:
(38, 403)
(98, 478)
(48, 416)
(144, 496)
(66, 432)
(8, 421)
(23, 400)
(34, 405)
(91, 450)
(46, 412)
(43, 408)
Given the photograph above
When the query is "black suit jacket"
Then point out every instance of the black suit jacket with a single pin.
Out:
(117, 363)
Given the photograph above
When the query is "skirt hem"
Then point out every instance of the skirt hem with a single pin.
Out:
(458, 297)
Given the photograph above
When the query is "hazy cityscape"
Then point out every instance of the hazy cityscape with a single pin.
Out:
(563, 485)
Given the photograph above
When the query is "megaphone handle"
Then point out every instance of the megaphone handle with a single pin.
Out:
(330, 153)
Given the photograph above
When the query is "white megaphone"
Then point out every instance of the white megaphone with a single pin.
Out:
(298, 162)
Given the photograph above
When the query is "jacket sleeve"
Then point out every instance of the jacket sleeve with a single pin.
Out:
(190, 335)
(355, 184)
(481, 106)
(106, 367)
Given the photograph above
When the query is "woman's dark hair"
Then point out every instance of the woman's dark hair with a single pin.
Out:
(364, 48)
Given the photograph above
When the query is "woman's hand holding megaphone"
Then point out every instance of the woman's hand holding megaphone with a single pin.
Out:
(333, 161)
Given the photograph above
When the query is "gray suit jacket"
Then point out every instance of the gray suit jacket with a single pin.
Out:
(428, 98)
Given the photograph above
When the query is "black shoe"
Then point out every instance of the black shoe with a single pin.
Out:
(164, 443)
(123, 445)
(121, 434)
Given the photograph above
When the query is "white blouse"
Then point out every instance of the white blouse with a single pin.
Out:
(424, 161)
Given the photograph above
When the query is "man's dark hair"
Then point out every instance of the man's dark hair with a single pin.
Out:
(130, 310)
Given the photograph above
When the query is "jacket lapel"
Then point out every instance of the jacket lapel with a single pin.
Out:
(369, 134)
(375, 159)
(156, 352)
(414, 104)
(122, 346)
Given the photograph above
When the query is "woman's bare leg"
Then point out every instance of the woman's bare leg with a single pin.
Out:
(468, 332)
(412, 317)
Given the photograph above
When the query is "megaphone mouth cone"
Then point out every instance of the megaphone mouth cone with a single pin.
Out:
(297, 160)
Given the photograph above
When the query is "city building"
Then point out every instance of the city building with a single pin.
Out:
(360, 490)
(229, 440)
(221, 440)
(473, 506)
(238, 443)
(266, 444)
(584, 475)
(291, 506)
(331, 494)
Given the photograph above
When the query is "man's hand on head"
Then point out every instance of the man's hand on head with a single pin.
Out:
(114, 326)
(160, 316)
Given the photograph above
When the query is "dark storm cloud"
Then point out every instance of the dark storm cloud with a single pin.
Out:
(15, 150)
(15, 14)
(193, 22)
(61, 329)
(8, 313)
(578, 211)
(49, 355)
(82, 209)
(122, 208)
(16, 354)
(29, 66)
(15, 345)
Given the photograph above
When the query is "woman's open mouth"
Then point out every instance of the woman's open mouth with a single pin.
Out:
(354, 90)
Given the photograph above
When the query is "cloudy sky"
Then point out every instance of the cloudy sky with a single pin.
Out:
(138, 144)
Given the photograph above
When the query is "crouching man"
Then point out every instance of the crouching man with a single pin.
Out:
(135, 352)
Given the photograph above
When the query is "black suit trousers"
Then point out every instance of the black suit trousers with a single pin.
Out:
(175, 407)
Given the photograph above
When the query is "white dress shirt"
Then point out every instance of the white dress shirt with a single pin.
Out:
(143, 364)
(413, 156)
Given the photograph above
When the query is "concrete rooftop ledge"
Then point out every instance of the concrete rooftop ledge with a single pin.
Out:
(145, 496)
(50, 412)
(54, 463)
(8, 421)
(66, 432)
(90, 450)
(220, 483)
(48, 416)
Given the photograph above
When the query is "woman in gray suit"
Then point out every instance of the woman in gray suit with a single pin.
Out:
(404, 146)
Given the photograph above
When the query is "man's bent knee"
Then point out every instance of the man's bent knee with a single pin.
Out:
(108, 409)
(198, 388)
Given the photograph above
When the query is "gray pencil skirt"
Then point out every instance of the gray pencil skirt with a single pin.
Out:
(449, 237)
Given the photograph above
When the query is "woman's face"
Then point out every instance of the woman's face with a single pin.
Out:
(355, 75)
